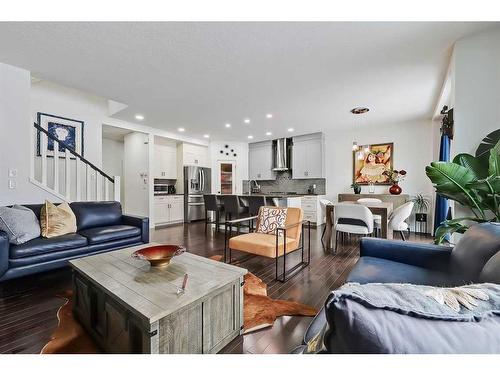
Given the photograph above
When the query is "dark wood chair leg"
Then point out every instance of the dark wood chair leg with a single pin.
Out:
(402, 235)
(323, 234)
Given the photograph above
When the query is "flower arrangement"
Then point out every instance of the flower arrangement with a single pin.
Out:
(394, 175)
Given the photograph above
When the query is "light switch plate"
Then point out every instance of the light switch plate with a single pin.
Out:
(12, 172)
(12, 184)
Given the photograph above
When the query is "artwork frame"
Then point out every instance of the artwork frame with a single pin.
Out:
(376, 177)
(60, 126)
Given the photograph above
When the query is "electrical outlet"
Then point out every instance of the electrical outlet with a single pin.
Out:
(12, 172)
(12, 184)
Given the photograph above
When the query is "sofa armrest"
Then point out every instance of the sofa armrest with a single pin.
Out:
(139, 222)
(4, 253)
(415, 254)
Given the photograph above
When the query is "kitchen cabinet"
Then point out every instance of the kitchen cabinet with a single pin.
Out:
(195, 155)
(312, 209)
(168, 209)
(308, 156)
(165, 162)
(260, 161)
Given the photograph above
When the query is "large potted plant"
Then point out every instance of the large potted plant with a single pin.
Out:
(472, 181)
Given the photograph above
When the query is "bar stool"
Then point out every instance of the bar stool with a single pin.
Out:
(211, 205)
(254, 204)
(232, 208)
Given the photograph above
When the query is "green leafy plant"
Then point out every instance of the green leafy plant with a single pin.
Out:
(356, 187)
(422, 203)
(472, 181)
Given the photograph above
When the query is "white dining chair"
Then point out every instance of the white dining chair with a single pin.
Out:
(353, 219)
(377, 219)
(399, 215)
(323, 203)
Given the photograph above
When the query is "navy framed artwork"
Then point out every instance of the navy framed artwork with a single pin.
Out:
(67, 130)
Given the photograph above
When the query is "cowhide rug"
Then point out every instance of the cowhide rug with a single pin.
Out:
(259, 312)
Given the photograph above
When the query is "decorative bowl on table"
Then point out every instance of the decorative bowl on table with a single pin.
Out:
(159, 255)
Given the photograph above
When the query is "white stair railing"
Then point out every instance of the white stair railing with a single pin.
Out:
(68, 174)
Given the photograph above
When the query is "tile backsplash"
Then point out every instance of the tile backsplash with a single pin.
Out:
(285, 183)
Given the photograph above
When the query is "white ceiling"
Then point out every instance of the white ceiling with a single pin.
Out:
(202, 75)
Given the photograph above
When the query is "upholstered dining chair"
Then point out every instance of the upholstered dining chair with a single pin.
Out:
(352, 219)
(377, 219)
(273, 238)
(323, 203)
(397, 220)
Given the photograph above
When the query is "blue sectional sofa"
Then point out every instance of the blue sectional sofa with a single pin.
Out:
(475, 259)
(101, 227)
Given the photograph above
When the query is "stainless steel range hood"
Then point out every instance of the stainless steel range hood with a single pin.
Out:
(281, 154)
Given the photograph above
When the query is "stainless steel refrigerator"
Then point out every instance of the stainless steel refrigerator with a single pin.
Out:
(197, 181)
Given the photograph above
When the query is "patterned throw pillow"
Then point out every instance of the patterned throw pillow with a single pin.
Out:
(57, 220)
(270, 219)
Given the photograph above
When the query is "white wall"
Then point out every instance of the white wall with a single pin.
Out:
(136, 161)
(477, 90)
(241, 150)
(112, 161)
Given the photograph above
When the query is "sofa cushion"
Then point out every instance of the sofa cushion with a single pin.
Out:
(315, 326)
(377, 270)
(96, 214)
(379, 318)
(262, 244)
(109, 233)
(42, 245)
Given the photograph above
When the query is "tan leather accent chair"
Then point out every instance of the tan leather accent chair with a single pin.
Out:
(273, 245)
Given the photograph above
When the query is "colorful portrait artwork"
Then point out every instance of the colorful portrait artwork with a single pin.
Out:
(369, 165)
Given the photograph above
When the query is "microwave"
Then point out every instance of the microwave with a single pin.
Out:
(164, 189)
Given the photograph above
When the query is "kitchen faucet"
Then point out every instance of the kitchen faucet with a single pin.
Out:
(256, 188)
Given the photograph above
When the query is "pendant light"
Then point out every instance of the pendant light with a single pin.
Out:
(363, 150)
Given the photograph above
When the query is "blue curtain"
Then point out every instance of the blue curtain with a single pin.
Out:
(442, 203)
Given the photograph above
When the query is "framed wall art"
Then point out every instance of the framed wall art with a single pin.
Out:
(370, 163)
(67, 130)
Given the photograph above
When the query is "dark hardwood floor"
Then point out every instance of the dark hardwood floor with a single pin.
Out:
(28, 306)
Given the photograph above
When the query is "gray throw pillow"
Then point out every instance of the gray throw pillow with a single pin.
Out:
(20, 224)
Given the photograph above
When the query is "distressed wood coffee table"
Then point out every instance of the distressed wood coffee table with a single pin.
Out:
(129, 307)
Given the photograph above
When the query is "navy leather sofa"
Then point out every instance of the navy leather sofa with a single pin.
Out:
(101, 227)
(475, 259)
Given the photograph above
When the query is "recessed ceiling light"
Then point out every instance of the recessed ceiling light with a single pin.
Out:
(290, 129)
(228, 125)
(269, 133)
(250, 137)
(139, 117)
(181, 129)
(246, 121)
(206, 136)
(269, 115)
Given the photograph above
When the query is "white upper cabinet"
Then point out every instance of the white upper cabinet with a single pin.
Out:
(195, 155)
(308, 156)
(260, 161)
(165, 161)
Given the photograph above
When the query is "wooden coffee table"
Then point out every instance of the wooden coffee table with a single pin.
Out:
(129, 307)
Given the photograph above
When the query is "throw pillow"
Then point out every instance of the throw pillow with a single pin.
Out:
(20, 224)
(270, 219)
(380, 318)
(57, 220)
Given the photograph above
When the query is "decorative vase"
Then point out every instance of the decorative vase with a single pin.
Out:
(395, 189)
(357, 190)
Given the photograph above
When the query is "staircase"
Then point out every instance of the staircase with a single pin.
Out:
(67, 175)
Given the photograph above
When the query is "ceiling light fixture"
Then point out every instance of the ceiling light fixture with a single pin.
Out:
(206, 136)
(228, 125)
(139, 117)
(181, 129)
(359, 110)
(290, 129)
(246, 121)
(355, 146)
(269, 115)
(360, 150)
(250, 137)
(269, 133)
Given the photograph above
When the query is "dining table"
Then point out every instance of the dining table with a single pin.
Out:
(384, 209)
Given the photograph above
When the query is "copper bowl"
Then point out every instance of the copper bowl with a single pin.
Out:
(160, 255)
